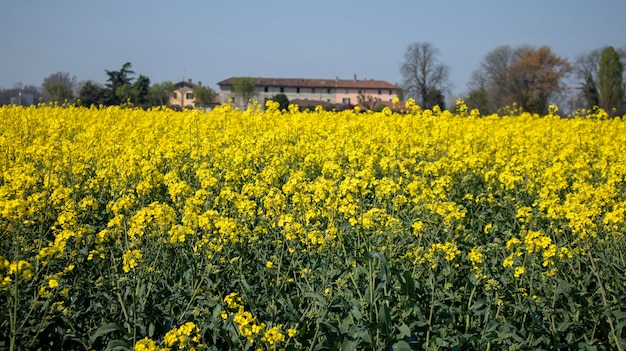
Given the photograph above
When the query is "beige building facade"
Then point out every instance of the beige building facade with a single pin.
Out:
(316, 91)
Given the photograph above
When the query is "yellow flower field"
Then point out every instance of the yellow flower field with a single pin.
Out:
(267, 229)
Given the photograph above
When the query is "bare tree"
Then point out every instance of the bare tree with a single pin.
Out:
(424, 78)
(529, 77)
(586, 70)
(368, 102)
(493, 76)
(536, 78)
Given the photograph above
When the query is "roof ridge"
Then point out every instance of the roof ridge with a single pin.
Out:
(317, 82)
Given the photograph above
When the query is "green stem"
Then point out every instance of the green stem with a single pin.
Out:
(373, 311)
(12, 315)
(604, 302)
(432, 309)
(119, 298)
(317, 329)
(469, 305)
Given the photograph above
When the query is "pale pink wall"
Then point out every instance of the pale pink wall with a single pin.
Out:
(353, 94)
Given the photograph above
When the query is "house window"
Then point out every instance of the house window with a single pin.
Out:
(266, 89)
(390, 92)
(328, 91)
(282, 89)
(189, 96)
(380, 91)
(313, 90)
(346, 100)
(175, 95)
(360, 91)
(346, 91)
(298, 90)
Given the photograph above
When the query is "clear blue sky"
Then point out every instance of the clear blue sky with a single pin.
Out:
(213, 40)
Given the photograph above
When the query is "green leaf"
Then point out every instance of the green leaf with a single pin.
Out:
(409, 283)
(477, 305)
(103, 330)
(151, 330)
(117, 345)
(384, 318)
(404, 330)
(356, 312)
(320, 299)
(381, 258)
(441, 342)
(401, 346)
(348, 344)
(564, 326)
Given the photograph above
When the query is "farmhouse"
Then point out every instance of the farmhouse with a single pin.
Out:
(182, 97)
(312, 92)
(183, 94)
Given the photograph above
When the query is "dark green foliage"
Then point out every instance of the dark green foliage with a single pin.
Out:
(282, 100)
(91, 93)
(610, 82)
(159, 93)
(478, 99)
(59, 87)
(244, 88)
(115, 90)
(203, 95)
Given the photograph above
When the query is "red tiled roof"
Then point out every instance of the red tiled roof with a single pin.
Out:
(315, 83)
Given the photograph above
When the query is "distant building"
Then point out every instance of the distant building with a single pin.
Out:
(336, 92)
(23, 99)
(182, 97)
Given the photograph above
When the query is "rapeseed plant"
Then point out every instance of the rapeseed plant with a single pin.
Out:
(402, 215)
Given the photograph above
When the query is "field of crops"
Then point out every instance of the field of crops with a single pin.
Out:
(267, 230)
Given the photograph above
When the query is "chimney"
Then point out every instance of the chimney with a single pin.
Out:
(355, 77)
(189, 80)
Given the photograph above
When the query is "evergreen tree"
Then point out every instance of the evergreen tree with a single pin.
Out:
(119, 84)
(141, 87)
(610, 80)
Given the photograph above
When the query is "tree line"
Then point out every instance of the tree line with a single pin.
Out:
(527, 77)
(121, 88)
